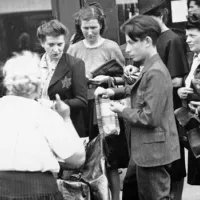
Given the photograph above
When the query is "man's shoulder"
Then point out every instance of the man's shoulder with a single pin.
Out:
(158, 65)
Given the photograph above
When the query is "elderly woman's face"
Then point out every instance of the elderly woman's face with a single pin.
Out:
(91, 30)
(193, 8)
(54, 46)
(193, 39)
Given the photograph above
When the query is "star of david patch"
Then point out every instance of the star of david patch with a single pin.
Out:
(66, 82)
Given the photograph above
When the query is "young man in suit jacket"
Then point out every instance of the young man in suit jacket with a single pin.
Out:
(153, 133)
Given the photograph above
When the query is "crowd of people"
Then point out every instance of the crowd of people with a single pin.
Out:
(48, 106)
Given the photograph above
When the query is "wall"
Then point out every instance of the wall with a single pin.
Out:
(64, 11)
(8, 6)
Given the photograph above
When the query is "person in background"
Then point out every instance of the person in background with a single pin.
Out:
(24, 42)
(96, 50)
(187, 92)
(78, 35)
(153, 134)
(193, 6)
(172, 50)
(34, 138)
(63, 74)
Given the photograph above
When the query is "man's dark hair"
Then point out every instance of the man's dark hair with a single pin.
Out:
(159, 11)
(52, 28)
(141, 26)
(193, 21)
(197, 2)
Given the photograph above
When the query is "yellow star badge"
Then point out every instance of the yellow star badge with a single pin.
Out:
(66, 82)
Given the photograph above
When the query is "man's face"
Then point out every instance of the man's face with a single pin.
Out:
(136, 49)
(193, 39)
(193, 8)
(54, 46)
(91, 30)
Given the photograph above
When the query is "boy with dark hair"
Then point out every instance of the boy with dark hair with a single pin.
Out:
(153, 135)
(172, 50)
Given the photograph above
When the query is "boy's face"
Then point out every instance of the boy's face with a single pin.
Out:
(193, 39)
(136, 49)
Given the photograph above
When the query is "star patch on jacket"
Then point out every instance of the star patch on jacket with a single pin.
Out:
(66, 82)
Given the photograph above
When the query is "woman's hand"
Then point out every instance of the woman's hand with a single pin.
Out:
(100, 79)
(184, 91)
(105, 93)
(62, 108)
(117, 107)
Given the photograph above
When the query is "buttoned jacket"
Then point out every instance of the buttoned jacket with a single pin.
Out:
(69, 82)
(153, 136)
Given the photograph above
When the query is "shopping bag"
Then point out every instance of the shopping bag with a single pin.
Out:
(90, 181)
(107, 120)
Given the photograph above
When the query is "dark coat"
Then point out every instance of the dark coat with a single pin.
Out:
(153, 137)
(193, 163)
(69, 82)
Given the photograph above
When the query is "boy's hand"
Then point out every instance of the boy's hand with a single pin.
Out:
(105, 93)
(184, 91)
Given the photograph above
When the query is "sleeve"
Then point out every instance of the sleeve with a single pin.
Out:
(70, 50)
(61, 136)
(79, 86)
(152, 104)
(117, 54)
(121, 92)
(177, 61)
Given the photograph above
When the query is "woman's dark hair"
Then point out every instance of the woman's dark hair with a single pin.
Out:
(197, 2)
(90, 11)
(141, 26)
(159, 11)
(52, 28)
(193, 21)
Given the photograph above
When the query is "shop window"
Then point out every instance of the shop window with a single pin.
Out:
(18, 30)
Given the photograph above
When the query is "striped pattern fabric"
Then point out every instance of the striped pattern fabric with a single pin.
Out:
(16, 185)
(107, 120)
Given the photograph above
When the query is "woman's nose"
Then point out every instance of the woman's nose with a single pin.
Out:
(89, 32)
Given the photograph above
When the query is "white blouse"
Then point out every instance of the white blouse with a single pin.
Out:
(34, 137)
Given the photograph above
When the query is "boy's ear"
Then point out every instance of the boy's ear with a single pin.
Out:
(148, 41)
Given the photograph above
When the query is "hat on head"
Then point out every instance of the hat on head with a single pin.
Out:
(147, 5)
